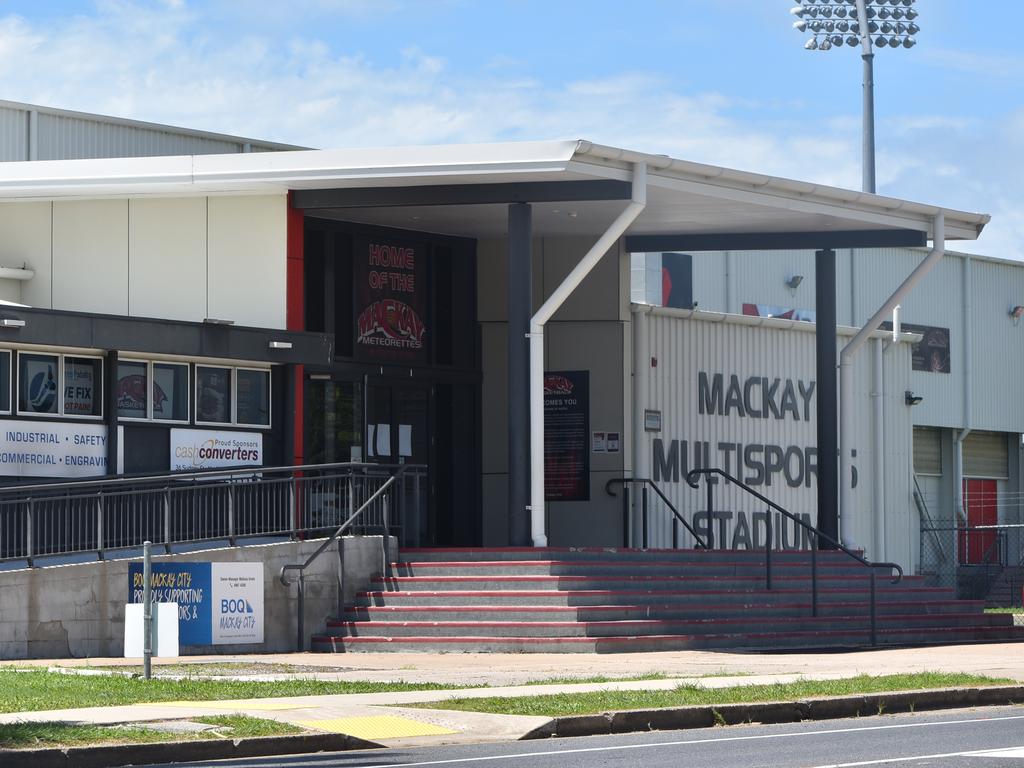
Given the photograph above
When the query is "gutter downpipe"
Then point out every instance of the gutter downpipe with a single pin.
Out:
(960, 511)
(878, 439)
(846, 371)
(618, 228)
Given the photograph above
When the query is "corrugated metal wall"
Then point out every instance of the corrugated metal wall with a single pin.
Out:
(723, 282)
(704, 426)
(63, 135)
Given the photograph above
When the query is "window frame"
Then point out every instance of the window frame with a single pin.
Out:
(60, 412)
(9, 410)
(270, 396)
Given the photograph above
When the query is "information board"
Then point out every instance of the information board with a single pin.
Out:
(567, 436)
(52, 449)
(218, 603)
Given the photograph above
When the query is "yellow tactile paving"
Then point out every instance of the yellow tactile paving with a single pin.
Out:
(376, 727)
(266, 706)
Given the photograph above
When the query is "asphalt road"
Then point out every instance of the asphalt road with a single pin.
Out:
(990, 737)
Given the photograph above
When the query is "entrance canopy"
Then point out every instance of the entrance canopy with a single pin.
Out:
(682, 197)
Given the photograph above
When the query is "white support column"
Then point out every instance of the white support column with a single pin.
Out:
(538, 524)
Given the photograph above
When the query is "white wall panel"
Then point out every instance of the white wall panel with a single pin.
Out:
(686, 348)
(90, 256)
(247, 254)
(26, 242)
(167, 258)
(997, 347)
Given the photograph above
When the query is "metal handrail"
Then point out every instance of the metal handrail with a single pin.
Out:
(301, 567)
(691, 480)
(644, 482)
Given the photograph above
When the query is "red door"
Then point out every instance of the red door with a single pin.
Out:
(977, 547)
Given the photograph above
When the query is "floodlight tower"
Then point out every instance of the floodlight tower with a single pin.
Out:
(853, 22)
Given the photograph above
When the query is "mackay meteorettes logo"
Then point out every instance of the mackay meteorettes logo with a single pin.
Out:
(555, 384)
(391, 323)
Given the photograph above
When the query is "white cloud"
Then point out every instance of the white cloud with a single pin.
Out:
(165, 63)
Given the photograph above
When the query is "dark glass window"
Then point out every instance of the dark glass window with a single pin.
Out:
(83, 386)
(5, 382)
(213, 394)
(38, 383)
(170, 391)
(252, 397)
(132, 391)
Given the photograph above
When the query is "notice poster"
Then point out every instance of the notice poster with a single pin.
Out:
(567, 436)
(390, 301)
(931, 353)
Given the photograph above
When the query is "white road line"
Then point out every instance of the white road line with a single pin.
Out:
(690, 742)
(1016, 752)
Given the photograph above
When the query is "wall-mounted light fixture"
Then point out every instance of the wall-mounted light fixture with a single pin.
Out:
(280, 345)
(911, 399)
(1016, 312)
(217, 321)
(793, 281)
(11, 322)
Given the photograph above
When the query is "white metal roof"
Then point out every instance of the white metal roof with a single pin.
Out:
(683, 197)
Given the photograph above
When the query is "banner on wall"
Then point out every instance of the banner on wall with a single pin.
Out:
(218, 603)
(390, 306)
(194, 449)
(58, 449)
(567, 436)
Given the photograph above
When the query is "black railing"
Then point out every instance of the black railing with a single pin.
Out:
(101, 516)
(817, 536)
(374, 508)
(677, 517)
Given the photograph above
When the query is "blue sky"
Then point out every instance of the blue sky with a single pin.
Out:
(718, 81)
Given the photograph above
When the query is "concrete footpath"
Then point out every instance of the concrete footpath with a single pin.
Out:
(381, 718)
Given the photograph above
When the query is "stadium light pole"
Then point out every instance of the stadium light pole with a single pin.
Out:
(833, 23)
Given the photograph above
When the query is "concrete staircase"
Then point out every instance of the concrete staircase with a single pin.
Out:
(613, 600)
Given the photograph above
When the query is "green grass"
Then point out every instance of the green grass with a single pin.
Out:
(626, 678)
(213, 669)
(684, 695)
(1017, 609)
(41, 735)
(34, 690)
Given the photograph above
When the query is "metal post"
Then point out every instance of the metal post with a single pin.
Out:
(814, 578)
(300, 642)
(293, 511)
(711, 507)
(520, 309)
(625, 514)
(147, 610)
(99, 526)
(768, 549)
(868, 129)
(167, 520)
(825, 391)
(30, 524)
(231, 513)
(874, 612)
(385, 539)
(643, 515)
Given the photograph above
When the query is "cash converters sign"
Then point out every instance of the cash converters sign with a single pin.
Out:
(193, 449)
(218, 603)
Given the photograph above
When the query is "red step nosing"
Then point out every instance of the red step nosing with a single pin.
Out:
(654, 622)
(739, 636)
(603, 577)
(612, 550)
(598, 563)
(590, 592)
(637, 607)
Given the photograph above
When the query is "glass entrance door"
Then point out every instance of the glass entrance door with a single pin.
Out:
(398, 417)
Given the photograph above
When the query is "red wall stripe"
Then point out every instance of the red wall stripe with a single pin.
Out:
(295, 310)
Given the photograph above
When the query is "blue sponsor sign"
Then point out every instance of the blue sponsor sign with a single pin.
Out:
(187, 584)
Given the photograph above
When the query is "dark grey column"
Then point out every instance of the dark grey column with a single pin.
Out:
(828, 433)
(520, 307)
(110, 409)
(289, 416)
